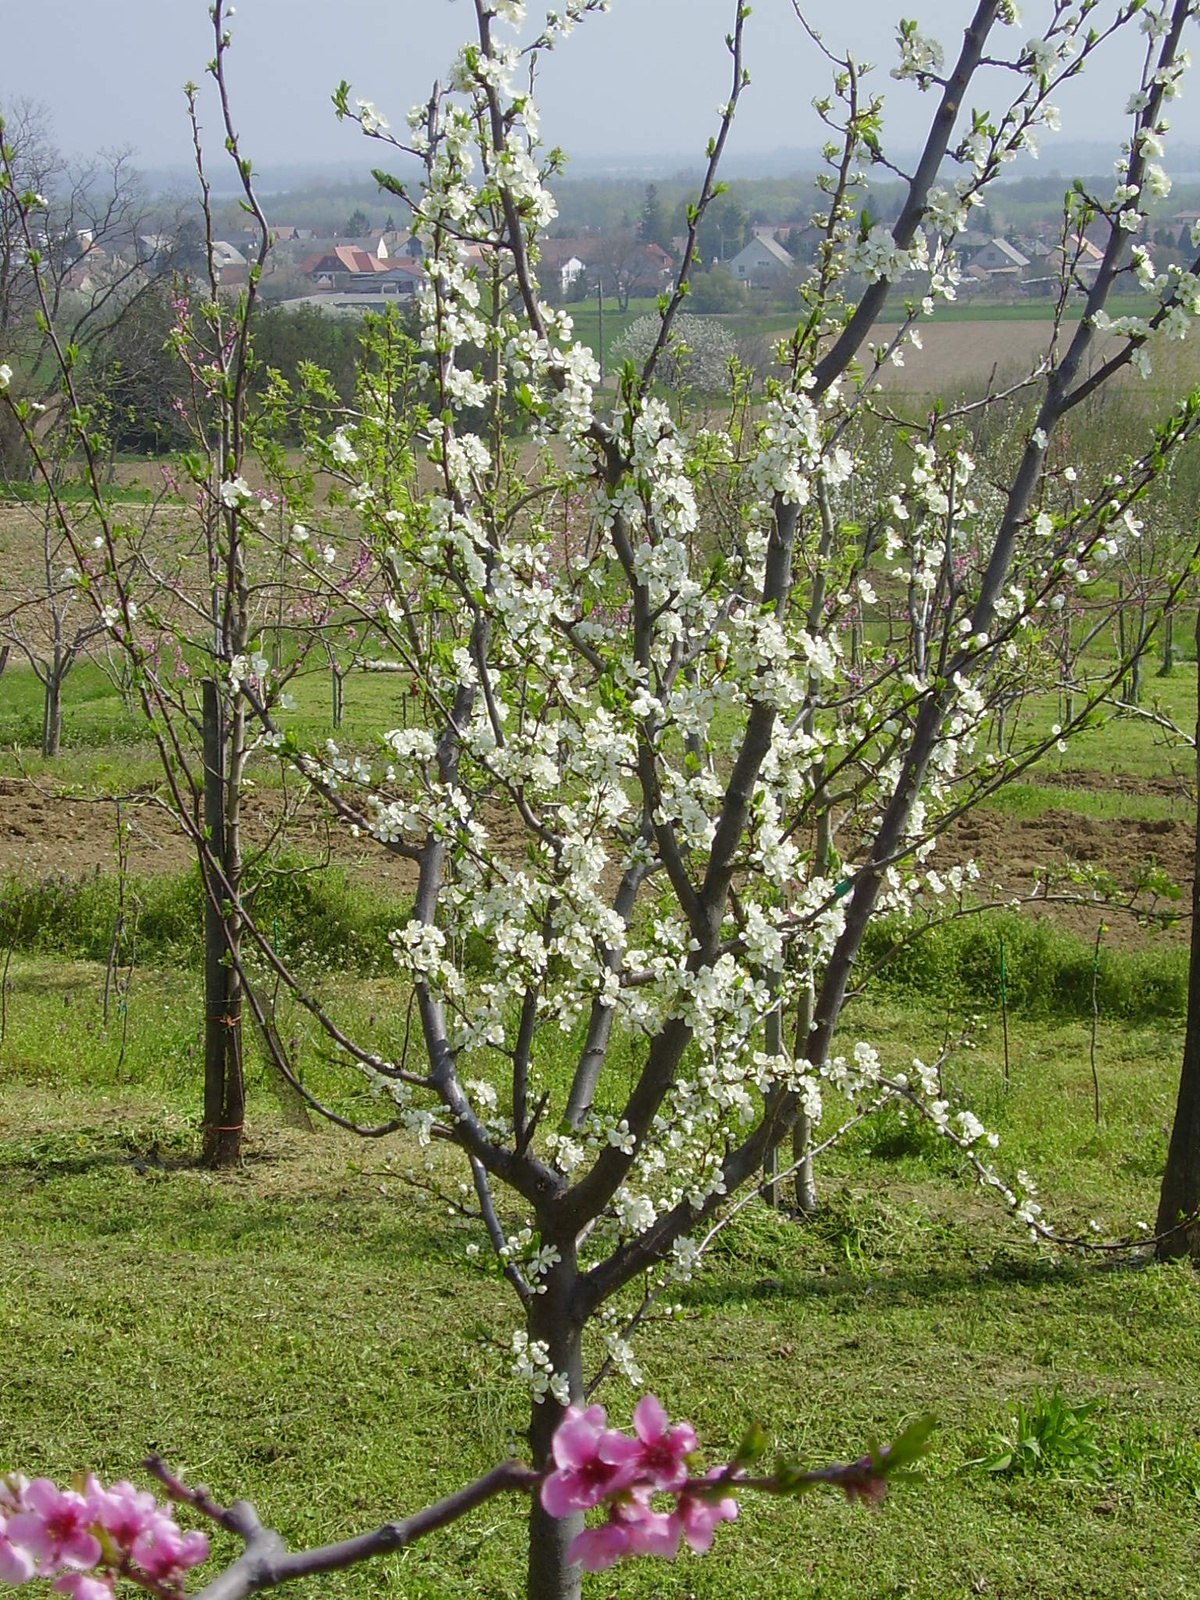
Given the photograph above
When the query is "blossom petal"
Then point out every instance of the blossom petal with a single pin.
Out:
(558, 1496)
(16, 1565)
(649, 1419)
(575, 1441)
(617, 1449)
(596, 1549)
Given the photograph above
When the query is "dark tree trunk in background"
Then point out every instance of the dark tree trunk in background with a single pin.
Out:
(1180, 1195)
(224, 1098)
(1168, 643)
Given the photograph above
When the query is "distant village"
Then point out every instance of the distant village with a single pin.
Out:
(375, 267)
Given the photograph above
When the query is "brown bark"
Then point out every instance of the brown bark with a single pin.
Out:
(1179, 1198)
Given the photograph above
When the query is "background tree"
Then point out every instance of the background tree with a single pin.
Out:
(619, 260)
(652, 229)
(716, 290)
(723, 231)
(133, 372)
(96, 240)
(50, 623)
(698, 356)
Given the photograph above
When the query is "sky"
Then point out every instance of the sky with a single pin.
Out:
(636, 84)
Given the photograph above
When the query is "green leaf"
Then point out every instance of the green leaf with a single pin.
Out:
(753, 1446)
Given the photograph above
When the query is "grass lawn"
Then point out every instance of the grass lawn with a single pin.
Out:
(309, 1333)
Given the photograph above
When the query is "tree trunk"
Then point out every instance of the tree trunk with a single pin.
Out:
(552, 1319)
(804, 1181)
(1168, 644)
(1180, 1193)
(1135, 670)
(807, 1203)
(224, 1109)
(52, 716)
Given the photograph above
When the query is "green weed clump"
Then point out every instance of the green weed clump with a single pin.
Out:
(1049, 1434)
(1047, 970)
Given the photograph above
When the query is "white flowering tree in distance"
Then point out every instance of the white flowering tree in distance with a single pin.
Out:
(670, 761)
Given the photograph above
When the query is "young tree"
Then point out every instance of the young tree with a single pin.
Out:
(49, 622)
(670, 763)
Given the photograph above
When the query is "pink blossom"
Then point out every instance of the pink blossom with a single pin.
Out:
(123, 1511)
(662, 1460)
(596, 1549)
(651, 1533)
(632, 1529)
(12, 1491)
(83, 1586)
(53, 1527)
(16, 1564)
(593, 1461)
(697, 1516)
(164, 1553)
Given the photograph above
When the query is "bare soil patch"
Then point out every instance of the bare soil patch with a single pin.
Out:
(1014, 855)
(43, 833)
(958, 356)
(1173, 787)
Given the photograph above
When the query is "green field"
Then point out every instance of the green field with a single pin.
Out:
(773, 323)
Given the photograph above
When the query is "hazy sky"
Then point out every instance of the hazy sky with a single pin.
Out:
(644, 79)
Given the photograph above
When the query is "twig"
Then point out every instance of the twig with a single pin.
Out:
(8, 955)
(114, 943)
(1004, 1008)
(1095, 1024)
(126, 991)
(266, 1561)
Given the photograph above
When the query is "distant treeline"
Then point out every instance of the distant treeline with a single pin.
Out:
(606, 203)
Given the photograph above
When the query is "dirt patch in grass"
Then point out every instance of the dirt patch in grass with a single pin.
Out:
(965, 356)
(1015, 854)
(1174, 787)
(41, 833)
